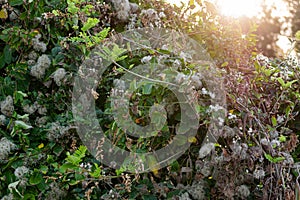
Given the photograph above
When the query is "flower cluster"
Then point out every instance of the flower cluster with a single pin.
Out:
(30, 109)
(55, 192)
(2, 120)
(20, 172)
(243, 191)
(197, 190)
(6, 147)
(7, 106)
(38, 45)
(41, 66)
(206, 149)
(124, 9)
(3, 1)
(8, 197)
(259, 173)
(150, 18)
(56, 131)
(59, 75)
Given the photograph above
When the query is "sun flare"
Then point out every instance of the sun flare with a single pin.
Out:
(233, 8)
(237, 8)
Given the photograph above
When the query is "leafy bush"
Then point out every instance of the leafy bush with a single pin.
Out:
(43, 45)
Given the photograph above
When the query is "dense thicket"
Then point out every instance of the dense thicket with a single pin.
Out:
(42, 47)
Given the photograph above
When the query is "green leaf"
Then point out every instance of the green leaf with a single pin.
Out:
(279, 159)
(66, 167)
(269, 157)
(2, 61)
(147, 89)
(285, 85)
(76, 158)
(15, 2)
(274, 121)
(44, 169)
(225, 64)
(297, 35)
(79, 177)
(7, 54)
(282, 138)
(91, 22)
(29, 197)
(289, 84)
(97, 172)
(57, 150)
(19, 96)
(281, 81)
(71, 7)
(35, 178)
(273, 160)
(22, 125)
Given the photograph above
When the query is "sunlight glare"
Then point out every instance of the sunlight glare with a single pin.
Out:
(237, 8)
(233, 8)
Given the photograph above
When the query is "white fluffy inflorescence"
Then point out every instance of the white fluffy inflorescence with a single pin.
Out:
(20, 172)
(59, 75)
(30, 109)
(151, 17)
(243, 191)
(57, 131)
(197, 190)
(123, 8)
(7, 106)
(2, 120)
(6, 147)
(8, 197)
(206, 149)
(39, 69)
(259, 173)
(38, 45)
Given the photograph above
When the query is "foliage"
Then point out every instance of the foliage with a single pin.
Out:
(43, 44)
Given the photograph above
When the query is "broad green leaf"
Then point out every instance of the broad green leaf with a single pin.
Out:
(29, 197)
(79, 177)
(44, 169)
(57, 150)
(147, 89)
(67, 166)
(35, 178)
